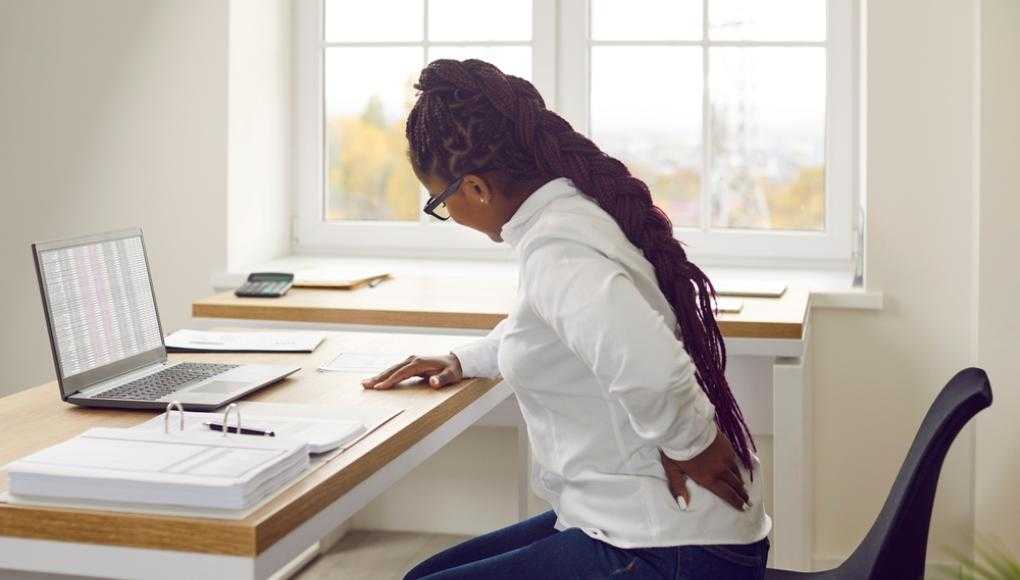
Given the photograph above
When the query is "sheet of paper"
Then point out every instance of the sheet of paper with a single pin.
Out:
(292, 419)
(261, 341)
(336, 276)
(321, 435)
(360, 362)
(729, 304)
(748, 287)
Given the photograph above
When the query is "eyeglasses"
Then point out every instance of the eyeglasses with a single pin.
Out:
(436, 206)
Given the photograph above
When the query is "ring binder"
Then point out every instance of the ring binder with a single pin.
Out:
(226, 418)
(166, 417)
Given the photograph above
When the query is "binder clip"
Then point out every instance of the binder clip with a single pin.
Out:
(166, 416)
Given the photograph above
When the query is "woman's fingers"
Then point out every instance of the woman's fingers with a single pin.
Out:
(372, 381)
(734, 478)
(678, 487)
(724, 490)
(412, 369)
(737, 483)
(441, 370)
(676, 480)
(444, 377)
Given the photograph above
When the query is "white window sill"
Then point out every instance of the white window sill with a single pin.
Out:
(829, 288)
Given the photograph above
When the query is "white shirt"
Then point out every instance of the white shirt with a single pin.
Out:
(603, 383)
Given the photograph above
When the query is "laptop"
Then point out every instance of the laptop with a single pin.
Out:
(106, 336)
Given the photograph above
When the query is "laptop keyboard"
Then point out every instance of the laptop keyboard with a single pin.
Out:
(158, 385)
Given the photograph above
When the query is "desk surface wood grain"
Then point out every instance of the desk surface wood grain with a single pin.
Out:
(39, 418)
(464, 302)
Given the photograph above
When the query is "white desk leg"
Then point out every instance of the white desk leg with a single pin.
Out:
(792, 471)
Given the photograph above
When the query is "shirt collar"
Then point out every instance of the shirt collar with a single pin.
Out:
(522, 220)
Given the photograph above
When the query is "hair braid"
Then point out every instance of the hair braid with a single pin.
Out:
(470, 116)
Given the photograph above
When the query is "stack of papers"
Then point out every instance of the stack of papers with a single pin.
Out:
(261, 341)
(188, 469)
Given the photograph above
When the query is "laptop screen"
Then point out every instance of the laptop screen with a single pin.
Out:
(100, 307)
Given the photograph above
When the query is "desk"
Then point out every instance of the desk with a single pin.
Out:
(768, 363)
(464, 303)
(103, 543)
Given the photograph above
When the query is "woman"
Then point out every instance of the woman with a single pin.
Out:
(612, 350)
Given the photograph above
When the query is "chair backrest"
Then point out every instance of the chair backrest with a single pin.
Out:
(894, 548)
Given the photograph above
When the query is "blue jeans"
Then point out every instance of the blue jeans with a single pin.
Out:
(534, 549)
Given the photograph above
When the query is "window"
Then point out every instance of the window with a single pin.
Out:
(739, 114)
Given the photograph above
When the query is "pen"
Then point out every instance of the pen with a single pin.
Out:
(244, 430)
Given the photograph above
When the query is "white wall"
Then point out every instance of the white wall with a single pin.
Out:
(112, 114)
(260, 114)
(998, 332)
(875, 373)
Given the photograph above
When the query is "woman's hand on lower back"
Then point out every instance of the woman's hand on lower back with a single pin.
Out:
(717, 469)
(438, 370)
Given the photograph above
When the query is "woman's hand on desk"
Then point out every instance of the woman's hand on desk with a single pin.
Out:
(716, 469)
(438, 370)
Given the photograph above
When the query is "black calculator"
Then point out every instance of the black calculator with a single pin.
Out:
(265, 285)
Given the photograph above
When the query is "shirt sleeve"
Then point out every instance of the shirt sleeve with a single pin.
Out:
(479, 358)
(600, 315)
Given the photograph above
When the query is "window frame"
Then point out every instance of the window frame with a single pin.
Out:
(560, 71)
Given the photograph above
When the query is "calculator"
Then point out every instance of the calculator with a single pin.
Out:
(265, 285)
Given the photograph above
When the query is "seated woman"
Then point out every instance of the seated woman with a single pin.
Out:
(613, 350)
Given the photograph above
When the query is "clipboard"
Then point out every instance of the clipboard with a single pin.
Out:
(339, 278)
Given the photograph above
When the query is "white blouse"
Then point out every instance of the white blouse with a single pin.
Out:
(603, 383)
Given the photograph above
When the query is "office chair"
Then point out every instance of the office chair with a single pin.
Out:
(894, 548)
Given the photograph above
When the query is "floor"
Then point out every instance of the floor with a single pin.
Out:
(376, 555)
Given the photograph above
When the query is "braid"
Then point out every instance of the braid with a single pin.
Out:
(469, 115)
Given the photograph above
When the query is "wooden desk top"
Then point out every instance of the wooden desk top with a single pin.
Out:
(464, 302)
(39, 418)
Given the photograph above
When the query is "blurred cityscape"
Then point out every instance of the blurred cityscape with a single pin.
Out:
(761, 177)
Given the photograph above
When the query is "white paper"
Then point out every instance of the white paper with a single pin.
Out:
(168, 510)
(372, 362)
(321, 435)
(729, 304)
(319, 426)
(748, 287)
(373, 416)
(193, 469)
(339, 276)
(261, 341)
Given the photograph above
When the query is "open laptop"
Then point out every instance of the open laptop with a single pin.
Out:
(106, 336)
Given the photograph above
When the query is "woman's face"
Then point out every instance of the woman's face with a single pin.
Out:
(476, 203)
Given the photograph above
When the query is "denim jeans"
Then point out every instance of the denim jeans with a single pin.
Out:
(534, 549)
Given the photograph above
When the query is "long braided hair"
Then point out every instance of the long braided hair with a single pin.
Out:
(471, 117)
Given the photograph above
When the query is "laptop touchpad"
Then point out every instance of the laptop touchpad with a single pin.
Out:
(219, 387)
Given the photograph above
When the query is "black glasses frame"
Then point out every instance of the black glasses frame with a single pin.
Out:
(434, 202)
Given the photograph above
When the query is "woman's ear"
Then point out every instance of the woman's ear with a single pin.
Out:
(478, 189)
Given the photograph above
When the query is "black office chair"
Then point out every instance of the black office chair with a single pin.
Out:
(894, 548)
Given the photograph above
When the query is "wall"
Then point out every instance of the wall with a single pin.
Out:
(259, 133)
(112, 114)
(998, 332)
(875, 373)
